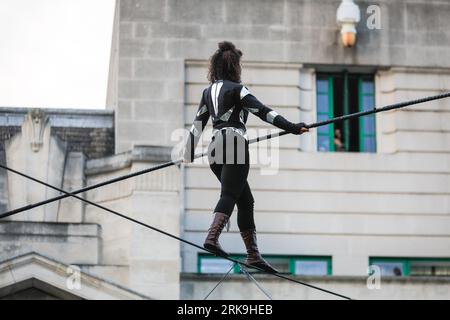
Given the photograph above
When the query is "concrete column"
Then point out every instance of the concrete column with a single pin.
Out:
(153, 259)
(308, 108)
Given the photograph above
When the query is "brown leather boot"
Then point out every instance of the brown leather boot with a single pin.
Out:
(212, 239)
(254, 258)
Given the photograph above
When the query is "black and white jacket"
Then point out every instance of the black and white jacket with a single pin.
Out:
(228, 104)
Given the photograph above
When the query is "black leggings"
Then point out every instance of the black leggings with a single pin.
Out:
(232, 175)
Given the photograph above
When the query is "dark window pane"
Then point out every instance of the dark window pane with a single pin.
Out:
(348, 93)
(421, 271)
(442, 271)
(430, 268)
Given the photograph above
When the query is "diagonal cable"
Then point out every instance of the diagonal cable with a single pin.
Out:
(91, 187)
(167, 164)
(251, 278)
(168, 234)
(255, 140)
(221, 280)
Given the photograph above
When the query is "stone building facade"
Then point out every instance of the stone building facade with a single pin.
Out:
(384, 203)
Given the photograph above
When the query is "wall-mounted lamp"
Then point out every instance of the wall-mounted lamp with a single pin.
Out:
(348, 16)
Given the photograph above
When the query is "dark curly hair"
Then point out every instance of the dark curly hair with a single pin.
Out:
(225, 63)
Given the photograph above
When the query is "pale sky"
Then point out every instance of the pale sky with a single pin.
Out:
(55, 53)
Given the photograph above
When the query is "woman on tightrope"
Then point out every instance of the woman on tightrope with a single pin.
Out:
(228, 103)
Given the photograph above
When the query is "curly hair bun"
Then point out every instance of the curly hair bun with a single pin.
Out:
(225, 63)
(226, 45)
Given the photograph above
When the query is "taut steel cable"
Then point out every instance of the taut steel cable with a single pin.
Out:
(266, 137)
(167, 164)
(167, 233)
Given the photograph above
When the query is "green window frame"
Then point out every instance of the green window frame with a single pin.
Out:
(363, 85)
(407, 263)
(291, 261)
(325, 134)
(367, 124)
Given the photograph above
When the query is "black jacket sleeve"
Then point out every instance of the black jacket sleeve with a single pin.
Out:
(253, 105)
(198, 125)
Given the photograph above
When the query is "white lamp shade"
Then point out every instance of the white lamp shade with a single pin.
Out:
(348, 12)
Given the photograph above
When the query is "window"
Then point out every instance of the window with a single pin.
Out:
(412, 266)
(212, 264)
(312, 266)
(391, 268)
(341, 94)
(298, 265)
(438, 268)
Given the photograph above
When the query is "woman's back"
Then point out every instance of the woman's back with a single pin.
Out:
(223, 102)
